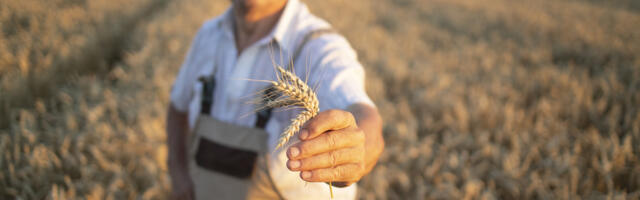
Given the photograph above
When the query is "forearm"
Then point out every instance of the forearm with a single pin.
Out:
(177, 127)
(370, 122)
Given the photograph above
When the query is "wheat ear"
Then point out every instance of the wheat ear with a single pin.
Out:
(292, 91)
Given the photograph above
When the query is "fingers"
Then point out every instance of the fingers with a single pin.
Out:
(326, 121)
(328, 159)
(325, 143)
(346, 173)
(331, 149)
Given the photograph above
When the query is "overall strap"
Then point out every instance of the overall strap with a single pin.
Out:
(264, 115)
(208, 84)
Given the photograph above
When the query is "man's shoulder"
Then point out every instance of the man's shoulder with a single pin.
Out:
(211, 26)
(307, 23)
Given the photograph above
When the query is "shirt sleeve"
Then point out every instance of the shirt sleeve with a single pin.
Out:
(182, 89)
(336, 73)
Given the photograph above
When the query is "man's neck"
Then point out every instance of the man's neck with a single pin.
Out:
(251, 23)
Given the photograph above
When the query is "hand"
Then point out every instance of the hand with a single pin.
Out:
(182, 186)
(332, 149)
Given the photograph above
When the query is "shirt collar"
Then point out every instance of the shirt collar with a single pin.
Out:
(281, 33)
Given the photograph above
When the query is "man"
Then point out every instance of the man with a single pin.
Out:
(340, 145)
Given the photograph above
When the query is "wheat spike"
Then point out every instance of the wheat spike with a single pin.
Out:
(294, 92)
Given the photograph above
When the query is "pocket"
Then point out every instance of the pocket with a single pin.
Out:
(224, 159)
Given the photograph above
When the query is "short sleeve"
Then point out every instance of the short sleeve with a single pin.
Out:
(182, 89)
(339, 77)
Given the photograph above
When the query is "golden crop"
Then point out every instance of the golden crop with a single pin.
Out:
(494, 99)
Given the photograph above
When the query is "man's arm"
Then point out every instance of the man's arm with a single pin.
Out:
(338, 146)
(177, 128)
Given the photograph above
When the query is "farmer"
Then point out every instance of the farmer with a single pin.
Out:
(220, 147)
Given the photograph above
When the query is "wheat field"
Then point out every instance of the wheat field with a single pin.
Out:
(489, 99)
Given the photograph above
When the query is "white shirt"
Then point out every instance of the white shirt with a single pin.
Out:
(329, 61)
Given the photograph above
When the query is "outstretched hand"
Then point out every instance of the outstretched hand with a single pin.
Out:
(331, 149)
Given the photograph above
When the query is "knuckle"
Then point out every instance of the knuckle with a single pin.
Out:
(336, 173)
(332, 139)
(338, 115)
(341, 172)
(333, 158)
(333, 113)
(350, 116)
(304, 148)
(312, 127)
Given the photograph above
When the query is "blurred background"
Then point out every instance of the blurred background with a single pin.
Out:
(487, 99)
